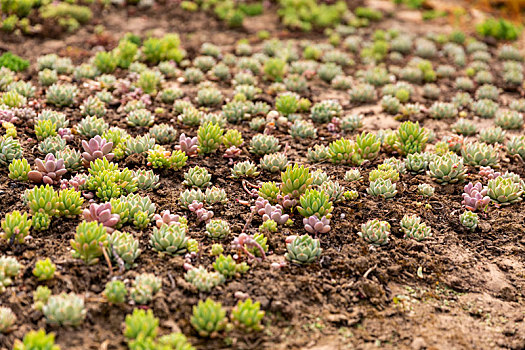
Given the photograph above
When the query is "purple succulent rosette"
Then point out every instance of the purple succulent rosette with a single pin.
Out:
(49, 171)
(475, 197)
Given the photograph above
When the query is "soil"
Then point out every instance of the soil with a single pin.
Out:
(457, 290)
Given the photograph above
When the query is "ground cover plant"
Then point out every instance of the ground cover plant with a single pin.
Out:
(344, 177)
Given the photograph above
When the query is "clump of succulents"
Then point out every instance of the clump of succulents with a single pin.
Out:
(410, 138)
(469, 220)
(447, 169)
(89, 242)
(10, 149)
(324, 111)
(197, 177)
(509, 120)
(61, 94)
(209, 318)
(244, 169)
(15, 227)
(262, 144)
(44, 269)
(318, 153)
(505, 190)
(226, 266)
(115, 292)
(302, 249)
(425, 190)
(92, 126)
(485, 108)
(141, 324)
(492, 135)
(295, 180)
(145, 286)
(36, 340)
(316, 225)
(412, 227)
(353, 175)
(475, 197)
(65, 309)
(217, 229)
(274, 162)
(209, 137)
(479, 154)
(343, 151)
(375, 232)
(303, 129)
(170, 239)
(203, 279)
(9, 268)
(247, 315)
(123, 248)
(7, 319)
(383, 188)
(42, 199)
(314, 202)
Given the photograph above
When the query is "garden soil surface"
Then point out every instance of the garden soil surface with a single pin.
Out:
(457, 290)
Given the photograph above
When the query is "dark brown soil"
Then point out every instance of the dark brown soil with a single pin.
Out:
(458, 290)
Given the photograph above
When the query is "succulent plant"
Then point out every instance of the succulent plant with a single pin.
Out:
(124, 246)
(351, 122)
(92, 126)
(295, 180)
(324, 111)
(315, 225)
(10, 149)
(115, 292)
(383, 188)
(7, 319)
(412, 227)
(170, 239)
(367, 145)
(187, 197)
(209, 137)
(247, 315)
(197, 177)
(375, 232)
(203, 279)
(269, 212)
(209, 318)
(15, 227)
(509, 120)
(479, 154)
(9, 268)
(96, 148)
(475, 197)
(469, 220)
(40, 297)
(410, 138)
(214, 195)
(516, 146)
(41, 221)
(89, 241)
(217, 229)
(140, 117)
(485, 108)
(145, 286)
(42, 199)
(274, 162)
(316, 203)
(44, 269)
(343, 151)
(262, 144)
(302, 249)
(464, 127)
(141, 323)
(226, 266)
(447, 169)
(318, 153)
(36, 340)
(244, 169)
(505, 190)
(49, 171)
(71, 157)
(65, 309)
(61, 95)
